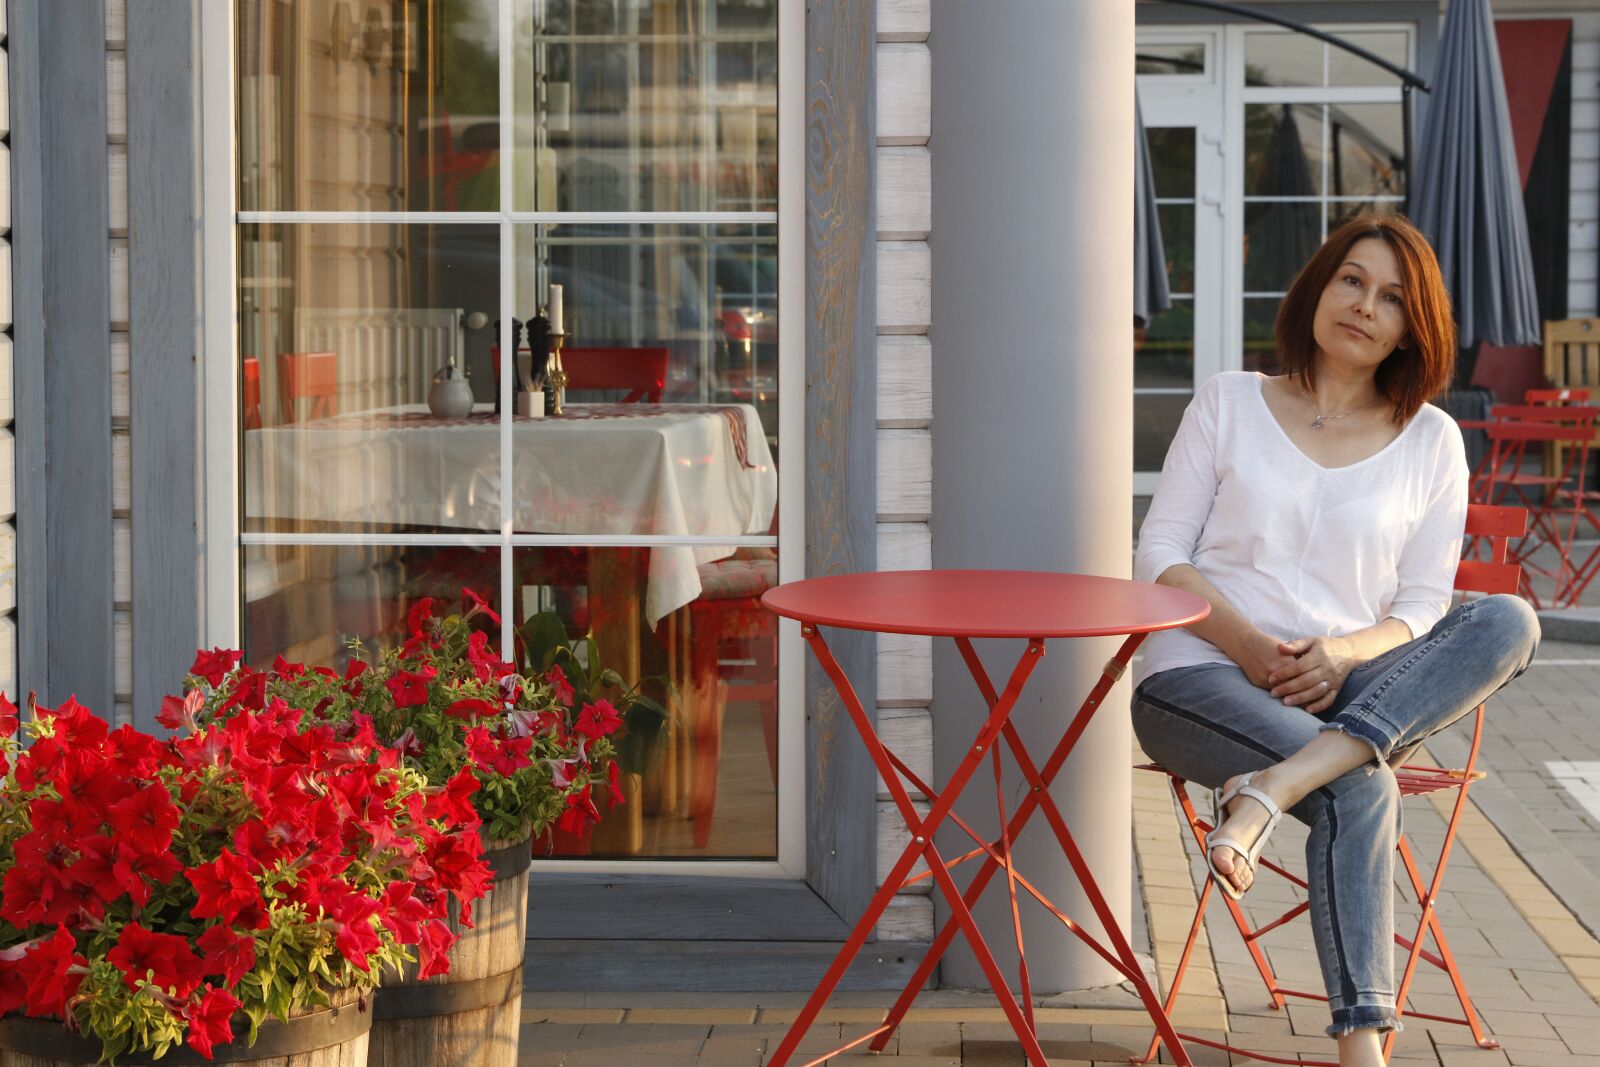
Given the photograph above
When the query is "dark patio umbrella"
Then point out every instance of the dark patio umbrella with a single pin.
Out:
(1286, 234)
(1467, 191)
(1151, 294)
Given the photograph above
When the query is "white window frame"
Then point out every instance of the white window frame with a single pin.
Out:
(217, 446)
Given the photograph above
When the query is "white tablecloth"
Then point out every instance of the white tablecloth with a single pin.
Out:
(663, 473)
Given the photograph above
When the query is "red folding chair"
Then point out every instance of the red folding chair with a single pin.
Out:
(1498, 574)
(642, 371)
(1556, 503)
(251, 375)
(312, 376)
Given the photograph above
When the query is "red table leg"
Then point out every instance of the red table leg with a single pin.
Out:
(921, 845)
(1039, 796)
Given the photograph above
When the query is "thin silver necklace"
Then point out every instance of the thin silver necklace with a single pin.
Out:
(1319, 422)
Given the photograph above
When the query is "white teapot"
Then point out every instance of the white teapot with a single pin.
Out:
(451, 395)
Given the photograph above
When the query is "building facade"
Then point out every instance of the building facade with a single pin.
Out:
(246, 234)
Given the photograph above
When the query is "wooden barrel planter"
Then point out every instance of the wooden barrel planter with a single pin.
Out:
(471, 1016)
(327, 1037)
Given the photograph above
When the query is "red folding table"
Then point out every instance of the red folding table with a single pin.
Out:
(966, 605)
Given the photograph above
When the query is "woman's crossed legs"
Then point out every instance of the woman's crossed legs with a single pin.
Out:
(1209, 724)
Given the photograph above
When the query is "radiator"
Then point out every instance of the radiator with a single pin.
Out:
(386, 358)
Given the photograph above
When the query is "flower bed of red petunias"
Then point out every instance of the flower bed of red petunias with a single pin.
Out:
(452, 707)
(163, 891)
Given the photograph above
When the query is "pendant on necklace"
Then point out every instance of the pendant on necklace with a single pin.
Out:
(1316, 423)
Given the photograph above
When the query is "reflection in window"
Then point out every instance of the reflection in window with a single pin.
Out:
(1170, 59)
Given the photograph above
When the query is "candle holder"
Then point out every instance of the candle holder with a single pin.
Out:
(556, 376)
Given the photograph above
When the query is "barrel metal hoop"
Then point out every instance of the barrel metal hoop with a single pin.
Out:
(511, 861)
(422, 1001)
(50, 1039)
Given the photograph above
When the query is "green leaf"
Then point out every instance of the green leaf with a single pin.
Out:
(638, 750)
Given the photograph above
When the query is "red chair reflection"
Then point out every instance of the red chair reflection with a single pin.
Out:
(312, 376)
(641, 371)
(250, 376)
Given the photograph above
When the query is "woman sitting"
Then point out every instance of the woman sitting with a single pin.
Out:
(1320, 513)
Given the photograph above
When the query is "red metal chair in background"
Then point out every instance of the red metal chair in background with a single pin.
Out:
(1556, 502)
(250, 377)
(1498, 574)
(312, 376)
(642, 371)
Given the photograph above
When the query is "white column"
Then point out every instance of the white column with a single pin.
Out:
(1033, 411)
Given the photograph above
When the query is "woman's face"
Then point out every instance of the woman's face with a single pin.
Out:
(1361, 316)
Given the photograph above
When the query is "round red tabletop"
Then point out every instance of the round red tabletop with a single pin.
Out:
(954, 603)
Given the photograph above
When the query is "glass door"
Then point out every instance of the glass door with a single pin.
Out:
(1180, 94)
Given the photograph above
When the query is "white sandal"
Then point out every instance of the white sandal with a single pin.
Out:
(1248, 855)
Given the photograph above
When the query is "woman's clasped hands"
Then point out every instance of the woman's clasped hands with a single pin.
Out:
(1304, 673)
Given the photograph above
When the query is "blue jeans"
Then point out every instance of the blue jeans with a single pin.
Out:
(1207, 723)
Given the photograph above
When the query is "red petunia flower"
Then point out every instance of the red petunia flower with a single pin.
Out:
(51, 973)
(8, 717)
(227, 953)
(579, 813)
(410, 688)
(452, 803)
(433, 951)
(225, 888)
(145, 820)
(614, 785)
(418, 615)
(472, 708)
(165, 960)
(140, 872)
(478, 604)
(214, 666)
(95, 868)
(598, 720)
(556, 678)
(210, 1019)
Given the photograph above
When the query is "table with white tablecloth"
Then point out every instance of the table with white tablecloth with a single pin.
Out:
(604, 469)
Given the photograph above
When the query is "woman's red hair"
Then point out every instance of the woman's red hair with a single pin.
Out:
(1425, 364)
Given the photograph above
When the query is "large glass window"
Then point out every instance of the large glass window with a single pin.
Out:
(1323, 140)
(429, 188)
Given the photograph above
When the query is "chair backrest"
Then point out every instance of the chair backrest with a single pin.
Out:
(1498, 526)
(251, 375)
(642, 371)
(310, 376)
(1563, 414)
(1555, 397)
(1572, 353)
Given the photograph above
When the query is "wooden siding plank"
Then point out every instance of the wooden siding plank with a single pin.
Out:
(905, 670)
(75, 403)
(659, 907)
(909, 918)
(905, 382)
(905, 94)
(8, 409)
(905, 285)
(908, 733)
(904, 20)
(162, 355)
(5, 194)
(905, 194)
(8, 575)
(117, 161)
(712, 966)
(904, 546)
(905, 475)
(895, 837)
(841, 480)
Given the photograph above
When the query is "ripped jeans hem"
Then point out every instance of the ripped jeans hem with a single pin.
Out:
(1379, 1017)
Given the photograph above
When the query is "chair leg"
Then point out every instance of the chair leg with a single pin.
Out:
(1240, 923)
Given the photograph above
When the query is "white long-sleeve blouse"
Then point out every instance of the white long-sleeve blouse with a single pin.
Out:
(1302, 550)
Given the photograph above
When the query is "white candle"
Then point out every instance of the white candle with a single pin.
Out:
(555, 309)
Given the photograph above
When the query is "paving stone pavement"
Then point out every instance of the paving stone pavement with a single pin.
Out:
(1520, 907)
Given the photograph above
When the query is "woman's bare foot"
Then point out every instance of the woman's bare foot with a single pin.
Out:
(1245, 820)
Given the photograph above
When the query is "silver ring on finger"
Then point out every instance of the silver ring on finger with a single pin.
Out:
(1325, 685)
